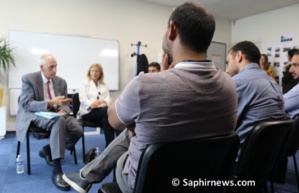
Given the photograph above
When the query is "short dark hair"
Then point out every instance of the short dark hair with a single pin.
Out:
(156, 65)
(292, 52)
(195, 25)
(248, 49)
(295, 53)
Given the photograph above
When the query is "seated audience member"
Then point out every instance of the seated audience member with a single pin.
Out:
(288, 82)
(150, 106)
(291, 107)
(94, 101)
(154, 67)
(291, 98)
(44, 91)
(259, 96)
(264, 64)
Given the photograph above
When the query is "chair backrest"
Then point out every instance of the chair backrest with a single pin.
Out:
(263, 149)
(76, 103)
(293, 142)
(164, 164)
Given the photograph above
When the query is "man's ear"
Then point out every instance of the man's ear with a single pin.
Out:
(239, 56)
(173, 31)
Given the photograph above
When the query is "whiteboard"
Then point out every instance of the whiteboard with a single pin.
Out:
(74, 55)
(217, 53)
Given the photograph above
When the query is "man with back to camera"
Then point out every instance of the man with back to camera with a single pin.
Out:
(259, 96)
(154, 67)
(44, 91)
(153, 108)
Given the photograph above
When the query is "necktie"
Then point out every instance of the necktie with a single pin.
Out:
(50, 96)
(49, 91)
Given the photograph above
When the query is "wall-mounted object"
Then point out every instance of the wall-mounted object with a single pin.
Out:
(74, 55)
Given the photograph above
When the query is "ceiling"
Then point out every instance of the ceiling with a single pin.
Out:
(233, 9)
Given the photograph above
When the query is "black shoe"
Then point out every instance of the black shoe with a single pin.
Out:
(59, 182)
(48, 158)
(77, 182)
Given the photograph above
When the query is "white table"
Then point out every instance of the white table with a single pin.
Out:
(2, 122)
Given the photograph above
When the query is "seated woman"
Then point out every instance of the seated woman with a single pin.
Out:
(94, 100)
(264, 65)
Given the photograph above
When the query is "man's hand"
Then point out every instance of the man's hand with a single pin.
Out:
(132, 128)
(286, 66)
(62, 112)
(60, 101)
(167, 62)
(228, 72)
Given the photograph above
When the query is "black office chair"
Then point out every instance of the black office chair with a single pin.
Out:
(164, 164)
(32, 128)
(76, 106)
(263, 149)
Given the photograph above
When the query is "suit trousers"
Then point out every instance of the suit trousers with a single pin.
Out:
(65, 131)
(96, 170)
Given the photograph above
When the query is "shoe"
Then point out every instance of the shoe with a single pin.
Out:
(77, 182)
(48, 158)
(59, 182)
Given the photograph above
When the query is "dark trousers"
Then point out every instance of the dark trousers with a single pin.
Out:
(100, 115)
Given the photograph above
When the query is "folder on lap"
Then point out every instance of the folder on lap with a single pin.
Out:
(48, 115)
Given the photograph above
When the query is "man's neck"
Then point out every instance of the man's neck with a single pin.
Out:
(188, 56)
(243, 65)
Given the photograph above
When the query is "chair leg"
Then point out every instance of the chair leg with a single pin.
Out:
(266, 186)
(28, 153)
(75, 155)
(296, 170)
(272, 185)
(18, 148)
(83, 146)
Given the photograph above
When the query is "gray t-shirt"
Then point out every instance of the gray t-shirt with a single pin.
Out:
(192, 100)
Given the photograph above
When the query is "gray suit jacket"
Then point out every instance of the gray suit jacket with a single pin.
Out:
(32, 100)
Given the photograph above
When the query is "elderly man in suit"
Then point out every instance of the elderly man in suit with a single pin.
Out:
(44, 91)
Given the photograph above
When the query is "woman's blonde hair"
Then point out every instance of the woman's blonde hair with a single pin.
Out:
(100, 68)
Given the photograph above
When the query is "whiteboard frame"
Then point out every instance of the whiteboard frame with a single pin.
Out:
(74, 55)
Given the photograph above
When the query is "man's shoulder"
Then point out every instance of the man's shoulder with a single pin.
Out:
(58, 78)
(250, 74)
(295, 89)
(32, 75)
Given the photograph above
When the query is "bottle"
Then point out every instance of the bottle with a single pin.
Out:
(78, 116)
(97, 152)
(19, 165)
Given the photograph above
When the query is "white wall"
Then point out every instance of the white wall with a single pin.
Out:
(127, 21)
(267, 27)
(223, 32)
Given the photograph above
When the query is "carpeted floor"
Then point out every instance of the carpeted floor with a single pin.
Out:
(40, 179)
